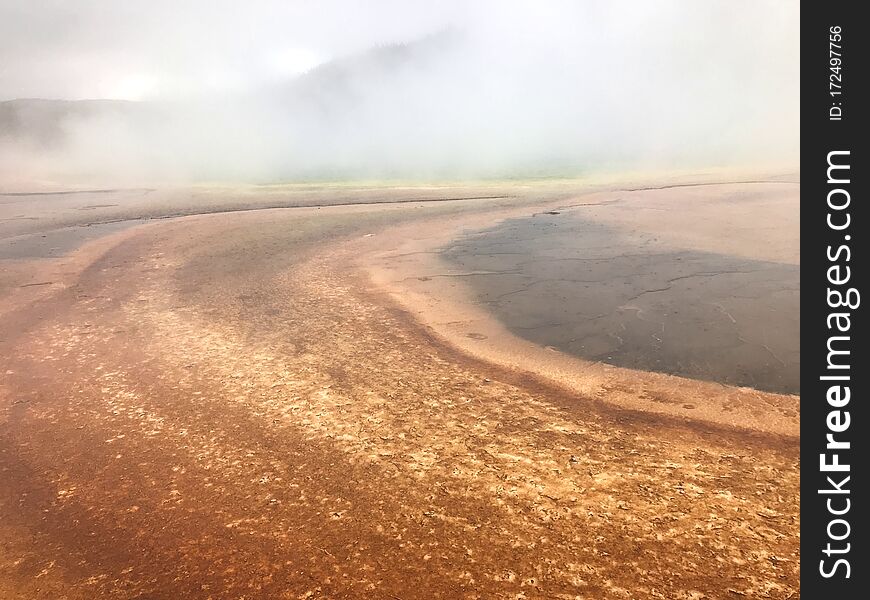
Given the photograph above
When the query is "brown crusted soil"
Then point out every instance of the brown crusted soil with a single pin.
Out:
(217, 407)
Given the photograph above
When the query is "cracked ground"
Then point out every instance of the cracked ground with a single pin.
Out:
(215, 407)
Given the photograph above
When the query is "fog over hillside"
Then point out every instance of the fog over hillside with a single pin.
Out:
(500, 89)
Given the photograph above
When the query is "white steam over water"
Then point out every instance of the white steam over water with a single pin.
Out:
(266, 91)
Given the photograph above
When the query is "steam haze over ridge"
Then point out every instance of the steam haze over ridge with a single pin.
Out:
(265, 91)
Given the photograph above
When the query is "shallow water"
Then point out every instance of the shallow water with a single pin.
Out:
(57, 242)
(624, 298)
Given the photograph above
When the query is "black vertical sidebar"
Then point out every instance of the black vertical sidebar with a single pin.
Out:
(834, 337)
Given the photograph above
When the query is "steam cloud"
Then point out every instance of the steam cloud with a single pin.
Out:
(497, 89)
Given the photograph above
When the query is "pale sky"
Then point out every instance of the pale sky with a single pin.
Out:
(133, 48)
(524, 85)
(136, 49)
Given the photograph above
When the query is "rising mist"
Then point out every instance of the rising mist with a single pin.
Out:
(492, 90)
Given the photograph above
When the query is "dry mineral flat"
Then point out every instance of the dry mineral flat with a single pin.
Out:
(285, 398)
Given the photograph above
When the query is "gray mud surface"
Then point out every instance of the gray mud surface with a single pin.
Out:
(622, 297)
